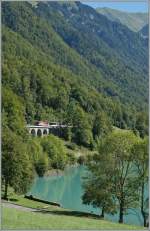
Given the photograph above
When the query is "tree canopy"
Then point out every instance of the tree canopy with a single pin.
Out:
(113, 181)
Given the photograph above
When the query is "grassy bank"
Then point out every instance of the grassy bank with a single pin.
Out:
(53, 217)
(20, 200)
(15, 219)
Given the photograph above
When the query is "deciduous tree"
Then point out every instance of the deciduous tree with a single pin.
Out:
(17, 168)
(140, 152)
(113, 173)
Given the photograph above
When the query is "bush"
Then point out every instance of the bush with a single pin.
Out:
(41, 165)
(56, 151)
(71, 146)
(81, 160)
(71, 158)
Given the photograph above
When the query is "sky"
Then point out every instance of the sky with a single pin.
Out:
(123, 6)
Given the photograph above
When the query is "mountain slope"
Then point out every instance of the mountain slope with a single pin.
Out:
(47, 40)
(46, 93)
(54, 69)
(134, 21)
(118, 53)
(144, 31)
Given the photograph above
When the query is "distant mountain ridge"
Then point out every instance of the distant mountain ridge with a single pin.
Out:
(134, 21)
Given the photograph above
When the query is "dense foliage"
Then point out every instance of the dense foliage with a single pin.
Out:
(55, 149)
(118, 175)
(52, 71)
(140, 151)
(17, 169)
(50, 75)
(117, 55)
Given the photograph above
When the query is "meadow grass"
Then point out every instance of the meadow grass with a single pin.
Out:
(17, 219)
(20, 200)
(53, 217)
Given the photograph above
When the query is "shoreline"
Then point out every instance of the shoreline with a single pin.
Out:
(59, 172)
(54, 172)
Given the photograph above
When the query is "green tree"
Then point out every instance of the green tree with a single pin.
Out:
(142, 123)
(114, 165)
(81, 130)
(97, 186)
(13, 111)
(41, 165)
(34, 148)
(56, 151)
(140, 152)
(17, 169)
(67, 134)
(38, 156)
(101, 125)
(124, 183)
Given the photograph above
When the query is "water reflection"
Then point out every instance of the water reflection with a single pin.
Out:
(67, 191)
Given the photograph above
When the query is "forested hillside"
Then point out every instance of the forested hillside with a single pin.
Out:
(111, 65)
(117, 53)
(60, 57)
(52, 69)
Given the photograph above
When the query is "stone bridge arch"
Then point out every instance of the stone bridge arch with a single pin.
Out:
(35, 131)
(45, 132)
(39, 132)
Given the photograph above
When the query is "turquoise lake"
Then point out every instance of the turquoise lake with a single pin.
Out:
(67, 190)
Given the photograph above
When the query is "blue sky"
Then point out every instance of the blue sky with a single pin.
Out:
(124, 6)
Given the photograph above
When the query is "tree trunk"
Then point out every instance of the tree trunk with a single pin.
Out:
(144, 218)
(142, 207)
(102, 213)
(6, 190)
(145, 222)
(121, 212)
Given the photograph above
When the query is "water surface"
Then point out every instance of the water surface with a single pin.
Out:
(67, 190)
